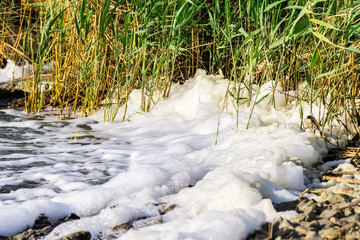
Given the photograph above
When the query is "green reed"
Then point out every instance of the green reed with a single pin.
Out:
(104, 49)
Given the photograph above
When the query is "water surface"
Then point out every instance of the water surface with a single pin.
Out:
(43, 151)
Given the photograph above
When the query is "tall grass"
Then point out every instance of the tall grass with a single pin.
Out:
(105, 48)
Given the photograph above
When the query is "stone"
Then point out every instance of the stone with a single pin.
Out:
(314, 224)
(311, 235)
(331, 215)
(70, 217)
(300, 230)
(286, 224)
(335, 221)
(306, 225)
(163, 209)
(298, 219)
(41, 222)
(81, 235)
(310, 216)
(305, 204)
(350, 219)
(340, 198)
(28, 234)
(44, 231)
(294, 235)
(349, 211)
(324, 223)
(347, 228)
(330, 233)
(328, 213)
(352, 237)
(283, 232)
(32, 234)
(286, 206)
(123, 227)
(357, 209)
(341, 206)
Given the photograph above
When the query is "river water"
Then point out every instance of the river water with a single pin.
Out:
(38, 151)
(220, 178)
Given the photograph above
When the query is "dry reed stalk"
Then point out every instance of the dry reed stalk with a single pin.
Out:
(341, 179)
(106, 48)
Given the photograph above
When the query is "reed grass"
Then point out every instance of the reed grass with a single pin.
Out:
(103, 49)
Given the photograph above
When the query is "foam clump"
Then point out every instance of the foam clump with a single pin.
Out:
(221, 167)
(13, 71)
(199, 97)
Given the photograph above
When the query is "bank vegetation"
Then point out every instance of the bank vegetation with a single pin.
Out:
(102, 49)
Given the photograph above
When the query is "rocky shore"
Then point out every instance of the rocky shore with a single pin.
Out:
(331, 208)
(43, 227)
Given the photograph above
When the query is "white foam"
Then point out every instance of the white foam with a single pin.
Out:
(13, 71)
(186, 152)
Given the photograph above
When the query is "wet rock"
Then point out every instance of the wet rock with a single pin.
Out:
(81, 235)
(72, 216)
(28, 234)
(122, 227)
(163, 208)
(41, 222)
(44, 231)
(32, 234)
(286, 206)
(41, 227)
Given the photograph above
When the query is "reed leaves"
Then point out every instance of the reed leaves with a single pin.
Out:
(103, 49)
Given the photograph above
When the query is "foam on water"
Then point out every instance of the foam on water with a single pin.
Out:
(120, 172)
(13, 71)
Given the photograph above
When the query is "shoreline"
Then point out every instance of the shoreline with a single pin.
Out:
(330, 212)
